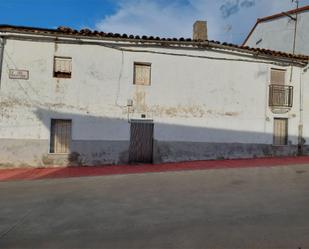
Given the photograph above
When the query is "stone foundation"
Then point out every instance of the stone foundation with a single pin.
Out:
(34, 153)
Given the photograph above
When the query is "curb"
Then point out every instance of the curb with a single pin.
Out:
(84, 171)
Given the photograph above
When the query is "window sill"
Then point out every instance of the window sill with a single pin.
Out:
(60, 154)
(64, 78)
(141, 85)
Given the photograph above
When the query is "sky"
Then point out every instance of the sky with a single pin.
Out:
(227, 20)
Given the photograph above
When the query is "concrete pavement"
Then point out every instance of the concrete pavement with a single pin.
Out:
(264, 207)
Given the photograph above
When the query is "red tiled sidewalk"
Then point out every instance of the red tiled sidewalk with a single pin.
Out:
(63, 172)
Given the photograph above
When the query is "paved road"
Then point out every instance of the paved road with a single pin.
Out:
(227, 208)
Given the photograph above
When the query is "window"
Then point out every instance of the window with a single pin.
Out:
(60, 136)
(280, 131)
(280, 94)
(142, 74)
(277, 76)
(62, 67)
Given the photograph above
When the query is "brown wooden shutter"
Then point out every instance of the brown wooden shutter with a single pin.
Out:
(60, 136)
(142, 74)
(280, 131)
(277, 77)
(63, 65)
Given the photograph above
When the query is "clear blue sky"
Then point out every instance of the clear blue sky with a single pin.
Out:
(52, 13)
(228, 20)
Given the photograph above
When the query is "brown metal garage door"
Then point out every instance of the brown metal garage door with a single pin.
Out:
(141, 141)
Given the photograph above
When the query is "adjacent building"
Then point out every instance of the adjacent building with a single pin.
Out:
(286, 31)
(71, 97)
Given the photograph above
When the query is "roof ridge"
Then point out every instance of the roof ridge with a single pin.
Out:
(283, 13)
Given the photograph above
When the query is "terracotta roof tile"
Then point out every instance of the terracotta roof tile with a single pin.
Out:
(184, 41)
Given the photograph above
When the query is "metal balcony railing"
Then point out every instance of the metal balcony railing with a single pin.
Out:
(280, 96)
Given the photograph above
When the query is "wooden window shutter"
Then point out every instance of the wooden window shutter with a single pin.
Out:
(280, 131)
(277, 77)
(60, 137)
(62, 67)
(142, 74)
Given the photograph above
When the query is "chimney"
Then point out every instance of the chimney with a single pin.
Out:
(200, 30)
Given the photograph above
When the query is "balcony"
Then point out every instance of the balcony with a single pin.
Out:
(280, 96)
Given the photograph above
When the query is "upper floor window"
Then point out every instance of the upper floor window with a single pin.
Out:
(142, 74)
(280, 94)
(62, 67)
(277, 76)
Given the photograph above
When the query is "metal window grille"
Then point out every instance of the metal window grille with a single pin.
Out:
(280, 96)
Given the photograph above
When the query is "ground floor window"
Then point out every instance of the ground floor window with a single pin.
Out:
(60, 135)
(280, 131)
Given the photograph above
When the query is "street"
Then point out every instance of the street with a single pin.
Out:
(217, 208)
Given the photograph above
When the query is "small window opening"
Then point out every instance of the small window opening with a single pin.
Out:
(62, 67)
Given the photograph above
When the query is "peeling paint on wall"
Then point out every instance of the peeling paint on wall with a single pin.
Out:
(139, 99)
(183, 111)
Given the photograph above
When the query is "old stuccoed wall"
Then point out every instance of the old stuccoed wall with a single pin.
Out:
(184, 151)
(202, 108)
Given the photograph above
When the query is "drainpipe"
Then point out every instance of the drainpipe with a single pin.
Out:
(301, 140)
(2, 41)
(300, 126)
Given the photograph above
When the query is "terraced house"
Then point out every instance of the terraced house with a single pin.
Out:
(71, 97)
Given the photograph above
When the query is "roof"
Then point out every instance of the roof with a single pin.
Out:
(275, 16)
(87, 33)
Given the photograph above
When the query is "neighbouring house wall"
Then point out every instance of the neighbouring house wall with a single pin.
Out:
(202, 108)
(278, 34)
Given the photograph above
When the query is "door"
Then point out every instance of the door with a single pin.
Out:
(60, 137)
(280, 131)
(141, 141)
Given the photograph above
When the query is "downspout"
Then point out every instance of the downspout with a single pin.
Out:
(2, 41)
(300, 125)
(301, 140)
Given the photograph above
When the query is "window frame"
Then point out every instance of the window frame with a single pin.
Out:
(137, 63)
(62, 75)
